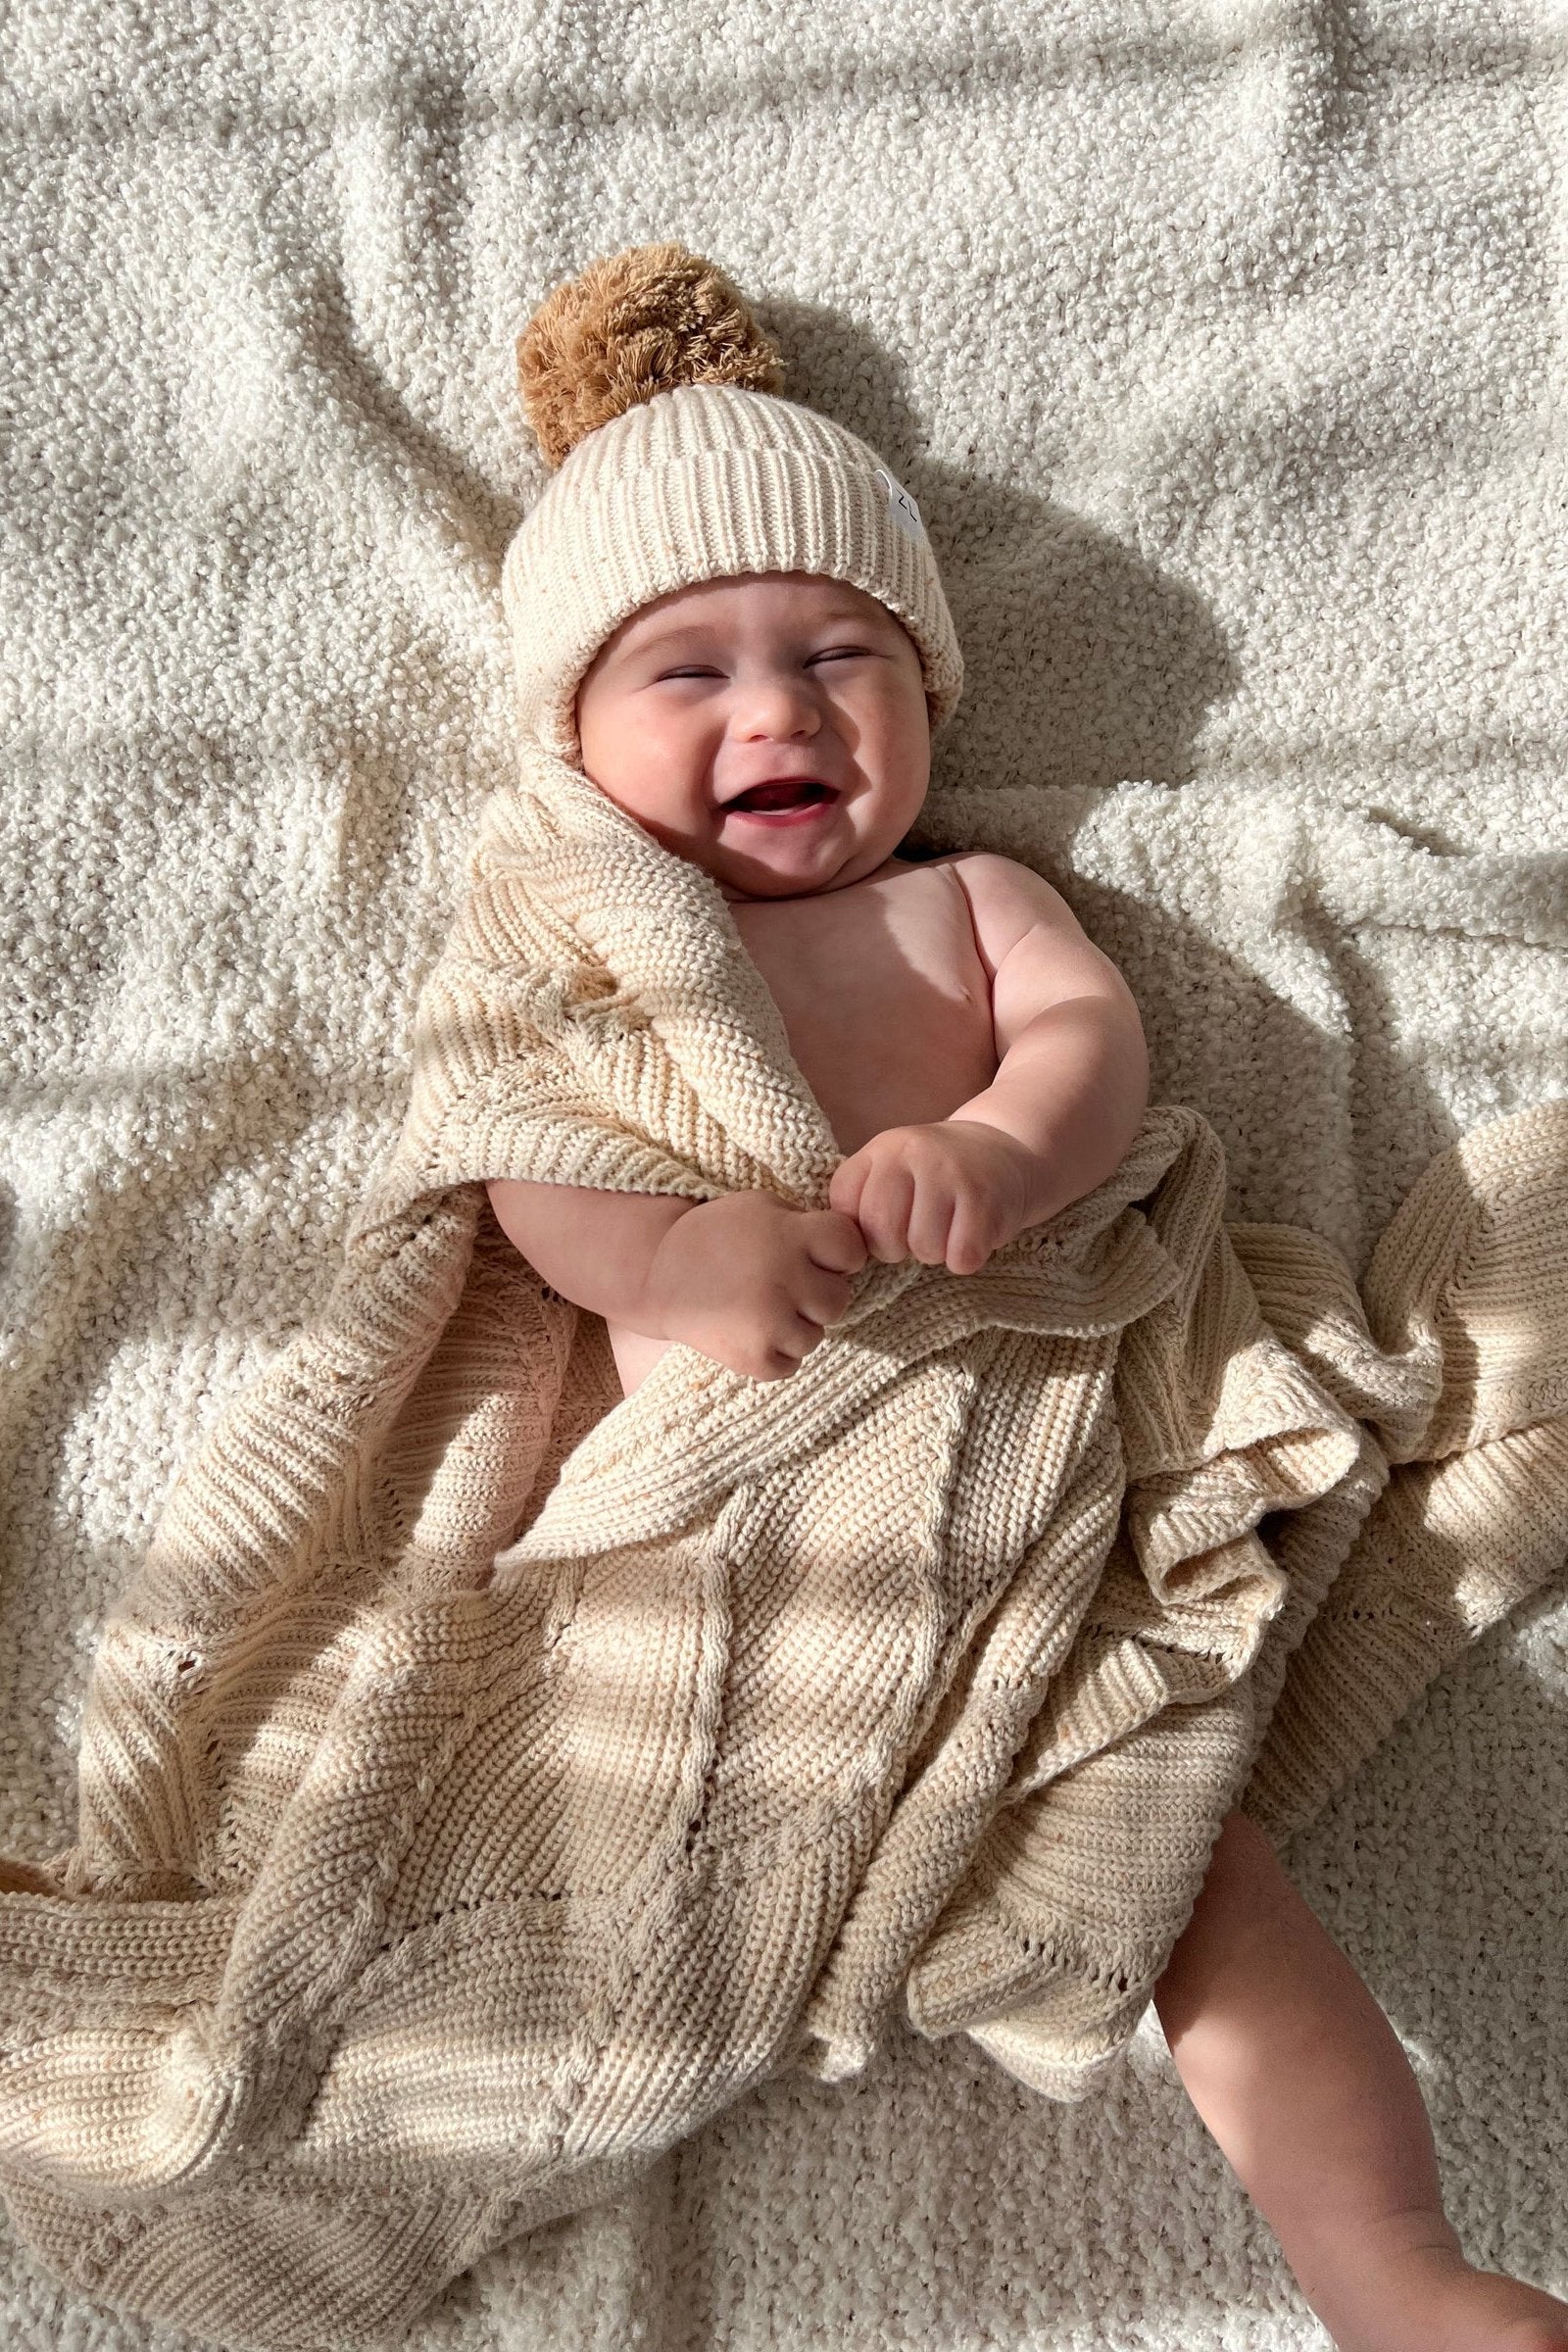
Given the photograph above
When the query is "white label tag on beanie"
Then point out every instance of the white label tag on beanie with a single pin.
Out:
(905, 513)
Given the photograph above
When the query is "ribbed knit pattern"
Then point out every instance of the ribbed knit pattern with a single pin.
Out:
(692, 485)
(486, 1779)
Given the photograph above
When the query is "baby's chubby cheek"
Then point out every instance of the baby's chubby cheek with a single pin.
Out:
(616, 761)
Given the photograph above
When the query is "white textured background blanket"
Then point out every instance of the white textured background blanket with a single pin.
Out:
(1222, 346)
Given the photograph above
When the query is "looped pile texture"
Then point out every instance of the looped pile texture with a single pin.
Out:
(487, 1778)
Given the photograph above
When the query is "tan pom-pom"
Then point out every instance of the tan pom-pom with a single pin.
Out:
(636, 323)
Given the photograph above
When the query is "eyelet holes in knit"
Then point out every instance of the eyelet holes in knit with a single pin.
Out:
(1106, 1976)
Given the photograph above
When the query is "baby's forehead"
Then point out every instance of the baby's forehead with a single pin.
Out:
(809, 591)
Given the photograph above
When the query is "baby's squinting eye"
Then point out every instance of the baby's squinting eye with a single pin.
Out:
(836, 653)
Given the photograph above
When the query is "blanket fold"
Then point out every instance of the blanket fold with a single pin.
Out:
(487, 1778)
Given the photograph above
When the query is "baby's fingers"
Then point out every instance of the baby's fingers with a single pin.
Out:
(835, 1241)
(847, 1185)
(822, 1297)
(883, 1216)
(971, 1240)
(929, 1221)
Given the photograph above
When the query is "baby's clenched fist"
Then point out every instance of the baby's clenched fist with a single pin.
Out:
(753, 1283)
(948, 1194)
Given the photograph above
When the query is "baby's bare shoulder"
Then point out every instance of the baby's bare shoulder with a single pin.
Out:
(1008, 901)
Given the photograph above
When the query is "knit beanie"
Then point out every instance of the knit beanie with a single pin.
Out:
(655, 395)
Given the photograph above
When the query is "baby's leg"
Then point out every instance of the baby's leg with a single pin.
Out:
(1301, 2078)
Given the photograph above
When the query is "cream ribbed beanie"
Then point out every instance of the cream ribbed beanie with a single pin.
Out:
(653, 391)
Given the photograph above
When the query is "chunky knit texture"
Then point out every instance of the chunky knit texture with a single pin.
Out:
(486, 1779)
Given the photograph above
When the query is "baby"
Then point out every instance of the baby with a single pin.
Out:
(982, 1065)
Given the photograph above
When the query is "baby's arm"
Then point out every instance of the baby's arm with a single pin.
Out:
(594, 1248)
(1072, 1084)
(1069, 1096)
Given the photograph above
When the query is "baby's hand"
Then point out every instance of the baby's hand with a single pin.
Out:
(948, 1194)
(751, 1282)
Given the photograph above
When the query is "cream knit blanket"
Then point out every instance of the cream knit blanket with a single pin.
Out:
(485, 1780)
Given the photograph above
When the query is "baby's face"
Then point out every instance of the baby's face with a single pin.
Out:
(738, 682)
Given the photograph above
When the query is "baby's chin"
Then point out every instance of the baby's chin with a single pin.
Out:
(752, 881)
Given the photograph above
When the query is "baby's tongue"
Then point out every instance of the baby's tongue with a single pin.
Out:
(779, 796)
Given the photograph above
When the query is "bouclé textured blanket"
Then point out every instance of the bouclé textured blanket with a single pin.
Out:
(487, 1778)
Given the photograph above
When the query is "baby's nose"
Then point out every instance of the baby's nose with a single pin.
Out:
(778, 706)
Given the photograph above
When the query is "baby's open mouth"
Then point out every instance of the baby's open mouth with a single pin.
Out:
(798, 793)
